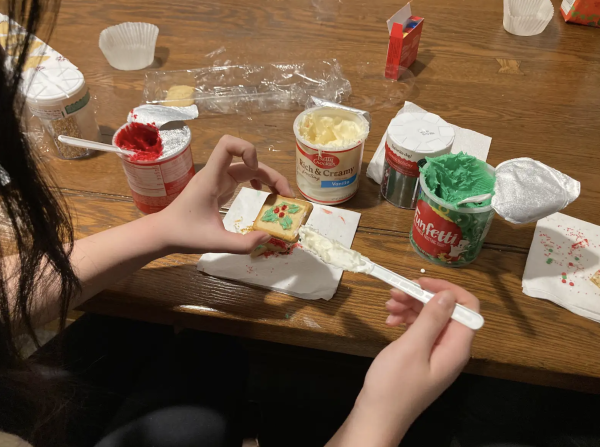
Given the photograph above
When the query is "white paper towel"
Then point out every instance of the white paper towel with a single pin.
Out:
(563, 259)
(465, 140)
(300, 274)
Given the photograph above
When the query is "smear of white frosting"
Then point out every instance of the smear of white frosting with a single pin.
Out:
(334, 253)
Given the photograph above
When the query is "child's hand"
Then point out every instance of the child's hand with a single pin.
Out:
(432, 352)
(192, 223)
(410, 373)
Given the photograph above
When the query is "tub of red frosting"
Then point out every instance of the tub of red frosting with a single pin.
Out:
(143, 139)
(162, 165)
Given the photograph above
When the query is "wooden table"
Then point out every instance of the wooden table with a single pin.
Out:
(535, 96)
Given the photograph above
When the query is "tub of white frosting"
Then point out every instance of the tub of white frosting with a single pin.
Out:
(329, 149)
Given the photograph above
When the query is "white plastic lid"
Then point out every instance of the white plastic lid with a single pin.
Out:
(425, 133)
(53, 85)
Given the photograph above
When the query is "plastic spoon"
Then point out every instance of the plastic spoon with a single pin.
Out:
(334, 253)
(476, 199)
(87, 144)
(462, 314)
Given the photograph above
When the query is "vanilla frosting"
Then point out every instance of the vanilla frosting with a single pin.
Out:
(334, 253)
(330, 131)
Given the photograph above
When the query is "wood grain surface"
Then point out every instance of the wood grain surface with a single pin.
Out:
(535, 96)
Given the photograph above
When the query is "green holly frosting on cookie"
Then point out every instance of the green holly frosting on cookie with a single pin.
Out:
(279, 213)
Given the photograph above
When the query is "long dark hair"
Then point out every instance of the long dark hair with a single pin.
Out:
(40, 227)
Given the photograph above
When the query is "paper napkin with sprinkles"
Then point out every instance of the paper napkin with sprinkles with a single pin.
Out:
(563, 265)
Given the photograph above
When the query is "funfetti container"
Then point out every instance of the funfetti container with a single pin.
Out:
(410, 138)
(329, 150)
(448, 235)
(60, 98)
(155, 184)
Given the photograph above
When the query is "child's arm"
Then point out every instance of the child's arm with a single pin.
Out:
(191, 224)
(410, 373)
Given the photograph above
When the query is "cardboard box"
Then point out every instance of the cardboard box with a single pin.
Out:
(405, 35)
(583, 12)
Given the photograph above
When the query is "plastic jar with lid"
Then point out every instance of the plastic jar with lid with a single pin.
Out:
(410, 138)
(60, 98)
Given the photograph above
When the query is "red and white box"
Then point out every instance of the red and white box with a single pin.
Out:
(405, 35)
(583, 12)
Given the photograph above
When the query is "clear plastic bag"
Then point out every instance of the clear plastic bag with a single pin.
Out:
(243, 89)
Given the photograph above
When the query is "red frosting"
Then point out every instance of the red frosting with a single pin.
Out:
(143, 139)
(278, 243)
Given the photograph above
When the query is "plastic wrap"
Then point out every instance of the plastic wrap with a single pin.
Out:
(243, 88)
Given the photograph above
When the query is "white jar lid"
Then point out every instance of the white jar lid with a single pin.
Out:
(424, 133)
(53, 85)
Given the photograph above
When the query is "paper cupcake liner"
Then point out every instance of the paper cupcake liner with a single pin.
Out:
(527, 17)
(130, 45)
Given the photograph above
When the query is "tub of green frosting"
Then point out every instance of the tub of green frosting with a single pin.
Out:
(444, 232)
(455, 177)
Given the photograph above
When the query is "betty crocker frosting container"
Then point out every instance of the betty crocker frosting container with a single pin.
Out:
(445, 234)
(329, 173)
(156, 183)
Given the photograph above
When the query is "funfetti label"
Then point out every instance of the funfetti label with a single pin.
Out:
(434, 232)
(448, 237)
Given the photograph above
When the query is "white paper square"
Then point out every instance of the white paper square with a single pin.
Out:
(564, 255)
(300, 274)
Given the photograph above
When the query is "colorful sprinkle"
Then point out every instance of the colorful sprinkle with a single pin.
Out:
(571, 284)
(549, 261)
(564, 281)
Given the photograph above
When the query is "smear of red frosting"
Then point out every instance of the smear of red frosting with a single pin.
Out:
(143, 139)
(278, 243)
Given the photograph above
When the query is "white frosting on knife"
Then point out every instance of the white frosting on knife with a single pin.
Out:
(334, 253)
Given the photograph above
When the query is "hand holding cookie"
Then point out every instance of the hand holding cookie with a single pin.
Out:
(192, 222)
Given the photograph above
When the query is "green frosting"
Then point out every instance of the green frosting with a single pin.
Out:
(455, 177)
(285, 221)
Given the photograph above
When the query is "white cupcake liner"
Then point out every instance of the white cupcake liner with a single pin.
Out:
(129, 45)
(527, 17)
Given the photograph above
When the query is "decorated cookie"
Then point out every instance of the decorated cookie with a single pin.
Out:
(282, 217)
(596, 278)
